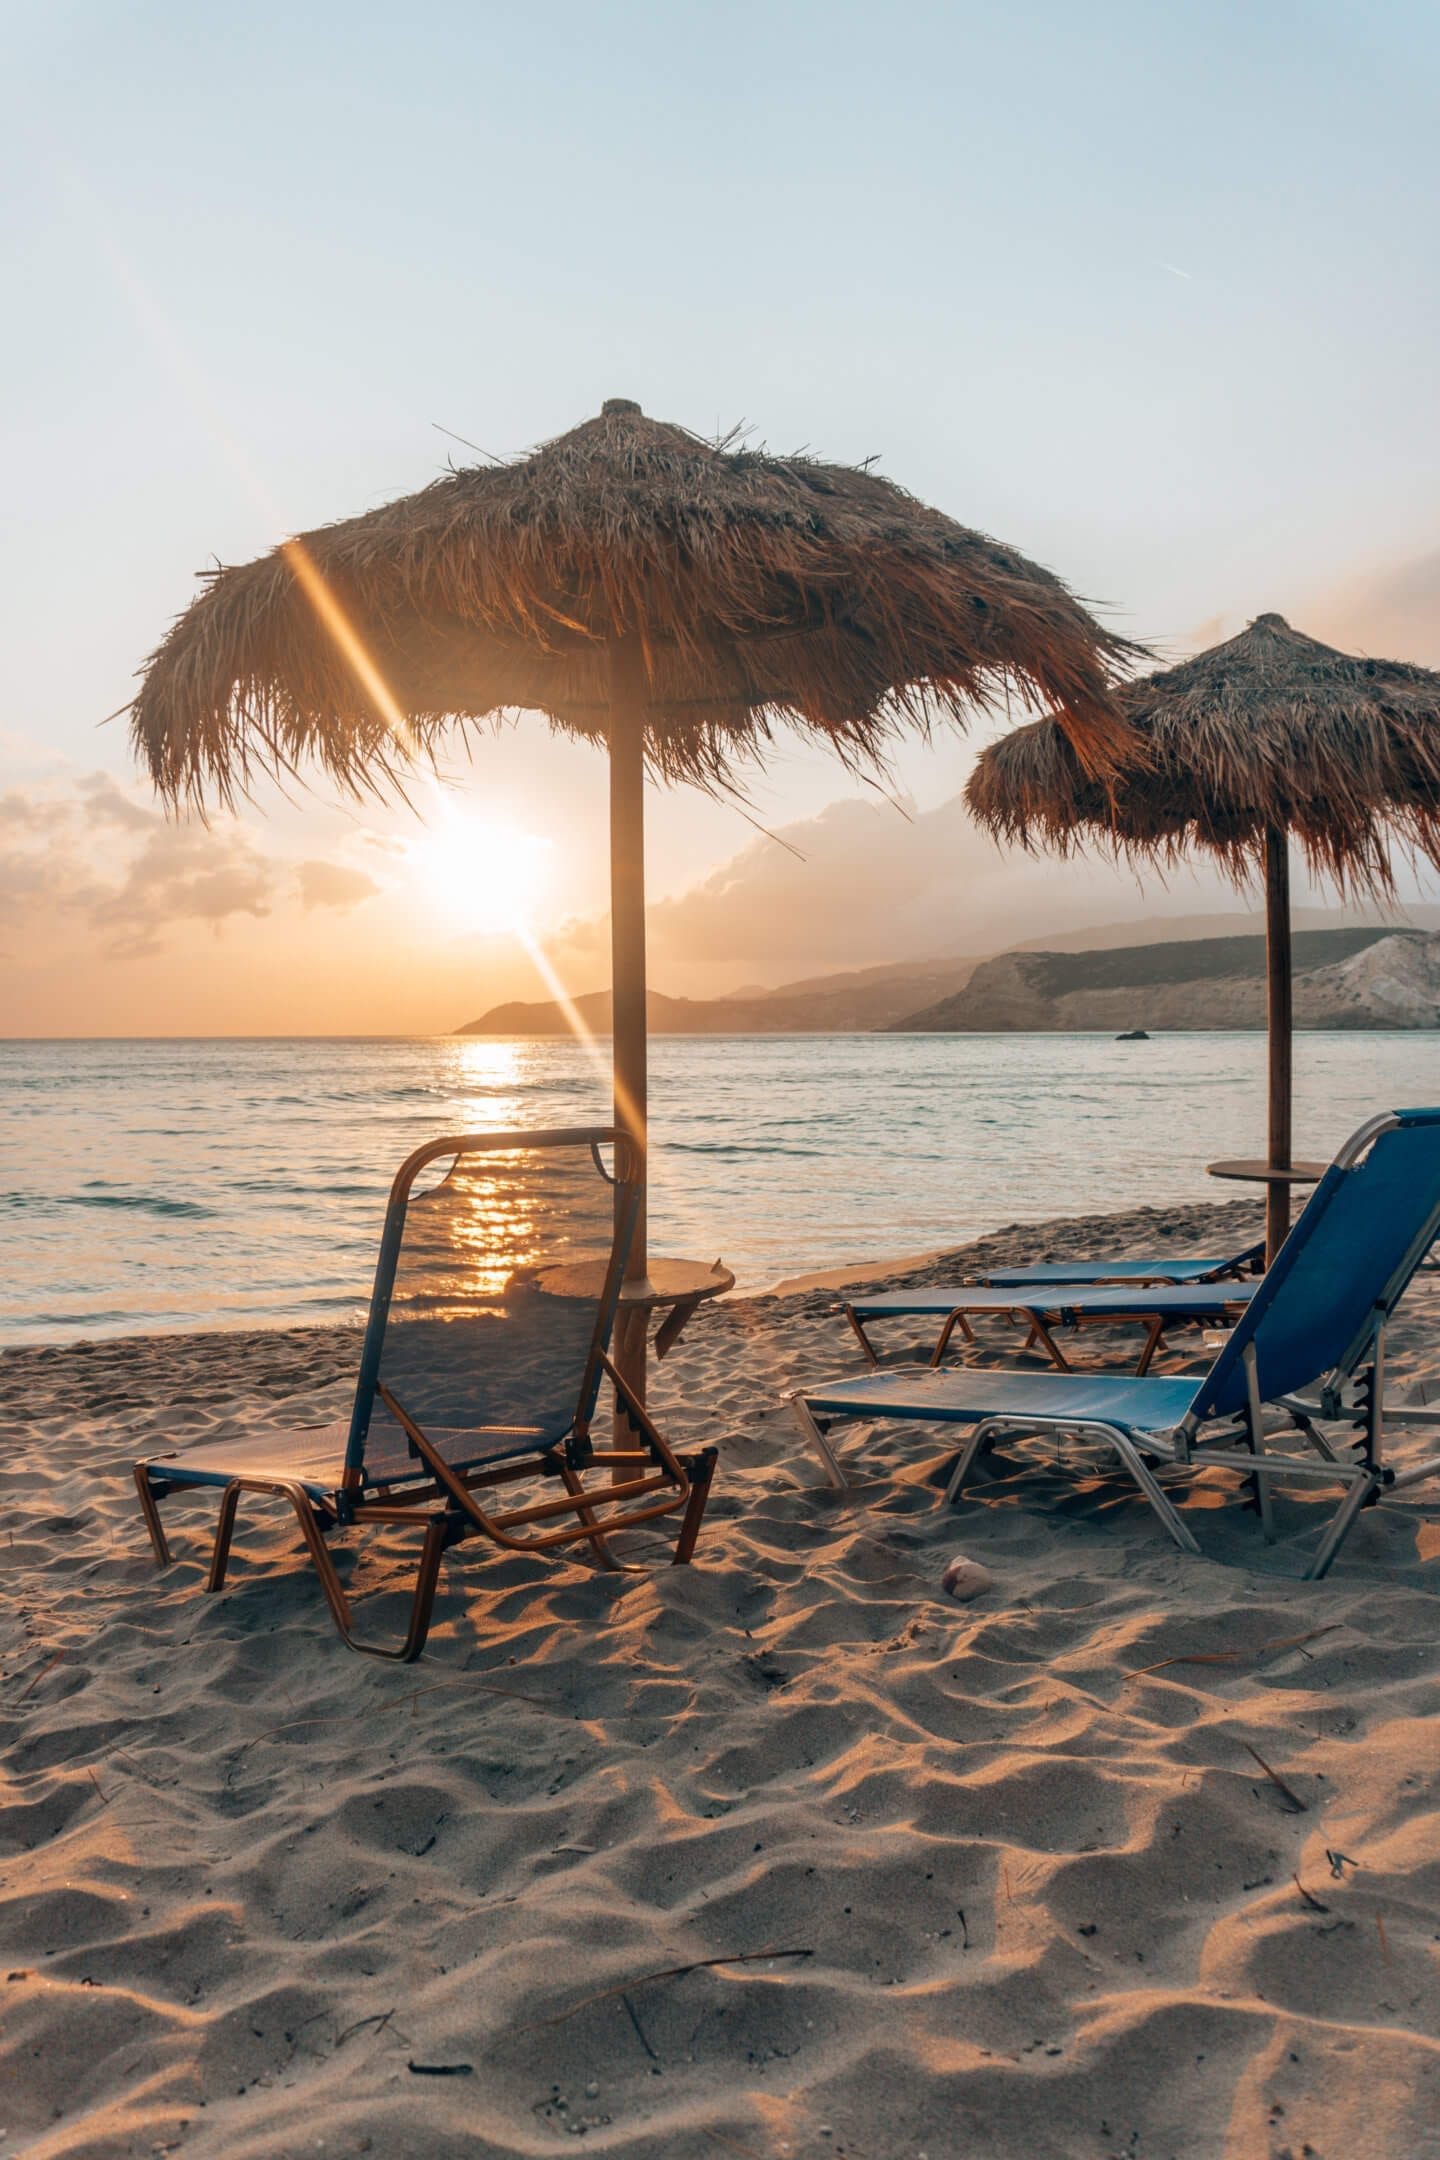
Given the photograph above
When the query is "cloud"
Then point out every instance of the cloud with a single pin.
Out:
(586, 934)
(1199, 638)
(871, 887)
(104, 802)
(1391, 614)
(183, 873)
(332, 884)
(22, 812)
(89, 855)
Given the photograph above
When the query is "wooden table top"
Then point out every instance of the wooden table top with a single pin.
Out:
(668, 1282)
(1259, 1172)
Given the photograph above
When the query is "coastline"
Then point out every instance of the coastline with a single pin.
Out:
(1042, 1899)
(856, 1271)
(790, 1160)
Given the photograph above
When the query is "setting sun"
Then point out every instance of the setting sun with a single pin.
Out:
(481, 875)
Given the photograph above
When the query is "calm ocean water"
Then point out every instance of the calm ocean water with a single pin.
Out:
(150, 1185)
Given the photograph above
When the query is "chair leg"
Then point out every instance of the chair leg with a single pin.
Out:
(1154, 1337)
(954, 1321)
(574, 1485)
(1341, 1524)
(1261, 1498)
(441, 1532)
(975, 1440)
(437, 1536)
(427, 1577)
(1316, 1439)
(860, 1336)
(1150, 1485)
(1255, 1440)
(224, 1531)
(1041, 1334)
(1266, 1501)
(149, 1508)
(1417, 1473)
(815, 1438)
(320, 1555)
(701, 1471)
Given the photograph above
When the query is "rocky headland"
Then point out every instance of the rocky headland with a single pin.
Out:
(1343, 979)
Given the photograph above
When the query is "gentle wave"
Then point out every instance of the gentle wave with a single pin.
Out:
(243, 1184)
(141, 1203)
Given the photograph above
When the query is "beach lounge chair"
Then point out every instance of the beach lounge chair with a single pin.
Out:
(1316, 1322)
(1149, 1306)
(1178, 1268)
(480, 1369)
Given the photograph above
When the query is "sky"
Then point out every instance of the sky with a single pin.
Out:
(1150, 293)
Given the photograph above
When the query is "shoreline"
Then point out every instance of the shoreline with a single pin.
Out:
(841, 1278)
(1108, 1232)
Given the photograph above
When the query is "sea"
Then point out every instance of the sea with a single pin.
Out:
(176, 1185)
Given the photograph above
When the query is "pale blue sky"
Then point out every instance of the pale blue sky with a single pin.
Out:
(1152, 291)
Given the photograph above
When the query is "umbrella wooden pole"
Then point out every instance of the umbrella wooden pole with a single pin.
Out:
(627, 956)
(1280, 1015)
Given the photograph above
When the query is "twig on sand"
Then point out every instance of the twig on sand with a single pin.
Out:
(104, 1796)
(1313, 1902)
(639, 2028)
(1384, 1944)
(48, 1667)
(1234, 1657)
(666, 1972)
(733, 2143)
(441, 2069)
(1288, 1792)
(380, 2020)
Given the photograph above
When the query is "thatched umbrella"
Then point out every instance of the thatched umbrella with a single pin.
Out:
(1269, 734)
(670, 599)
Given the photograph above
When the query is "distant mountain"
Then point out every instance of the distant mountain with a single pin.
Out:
(1233, 923)
(857, 1003)
(1362, 978)
(912, 994)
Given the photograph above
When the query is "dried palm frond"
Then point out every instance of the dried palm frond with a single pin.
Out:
(762, 591)
(1269, 731)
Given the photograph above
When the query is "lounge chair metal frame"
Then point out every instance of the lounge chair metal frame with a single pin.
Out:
(1211, 1432)
(452, 1502)
(1136, 1274)
(1165, 1306)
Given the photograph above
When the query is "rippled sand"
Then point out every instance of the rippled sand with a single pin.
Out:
(1042, 1899)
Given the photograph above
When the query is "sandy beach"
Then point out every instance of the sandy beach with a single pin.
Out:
(784, 1854)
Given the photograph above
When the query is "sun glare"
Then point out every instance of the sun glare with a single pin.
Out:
(481, 876)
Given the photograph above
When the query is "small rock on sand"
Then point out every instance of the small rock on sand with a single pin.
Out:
(965, 1579)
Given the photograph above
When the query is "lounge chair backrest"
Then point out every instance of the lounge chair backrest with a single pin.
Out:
(1363, 1233)
(496, 1289)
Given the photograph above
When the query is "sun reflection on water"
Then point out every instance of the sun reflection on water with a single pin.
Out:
(487, 1075)
(490, 1225)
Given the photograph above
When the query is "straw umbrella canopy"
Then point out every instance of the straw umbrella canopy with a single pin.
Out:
(1268, 735)
(671, 600)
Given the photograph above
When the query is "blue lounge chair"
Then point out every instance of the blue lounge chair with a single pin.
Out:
(1177, 1269)
(1316, 1321)
(480, 1368)
(1152, 1307)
